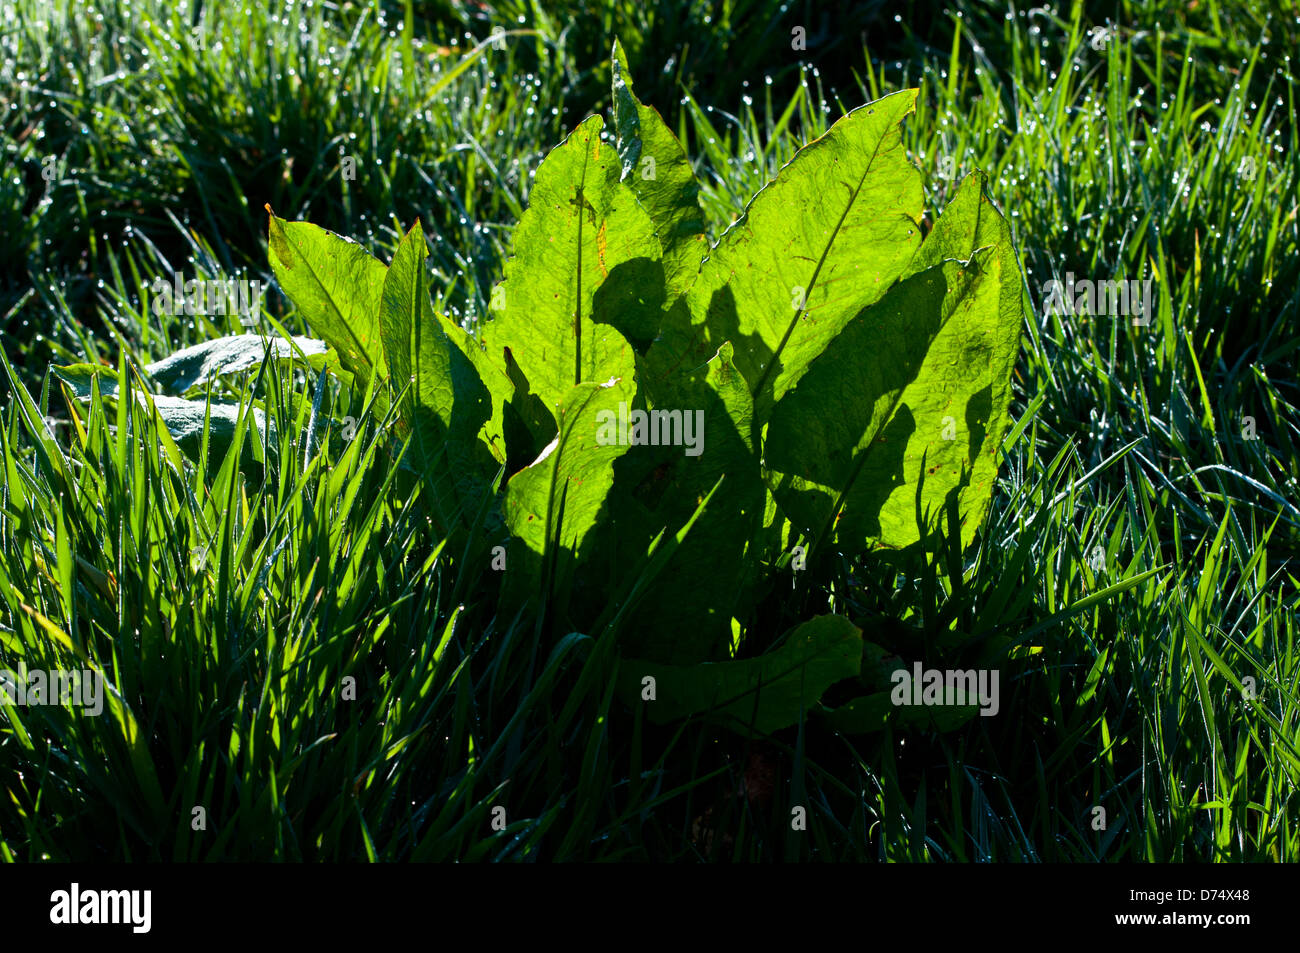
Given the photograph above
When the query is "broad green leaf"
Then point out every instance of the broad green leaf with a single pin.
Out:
(983, 337)
(234, 354)
(552, 505)
(769, 691)
(336, 285)
(882, 703)
(841, 437)
(656, 167)
(827, 237)
(913, 392)
(81, 377)
(584, 251)
(184, 420)
(446, 405)
(870, 713)
(528, 424)
(685, 615)
(498, 386)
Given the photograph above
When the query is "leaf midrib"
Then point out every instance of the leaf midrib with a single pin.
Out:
(821, 261)
(329, 297)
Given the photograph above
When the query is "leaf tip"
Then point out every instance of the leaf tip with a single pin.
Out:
(277, 239)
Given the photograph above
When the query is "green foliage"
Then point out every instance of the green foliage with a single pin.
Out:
(767, 693)
(447, 406)
(201, 428)
(881, 361)
(658, 171)
(933, 357)
(581, 255)
(337, 285)
(686, 613)
(553, 503)
(1136, 569)
(206, 362)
